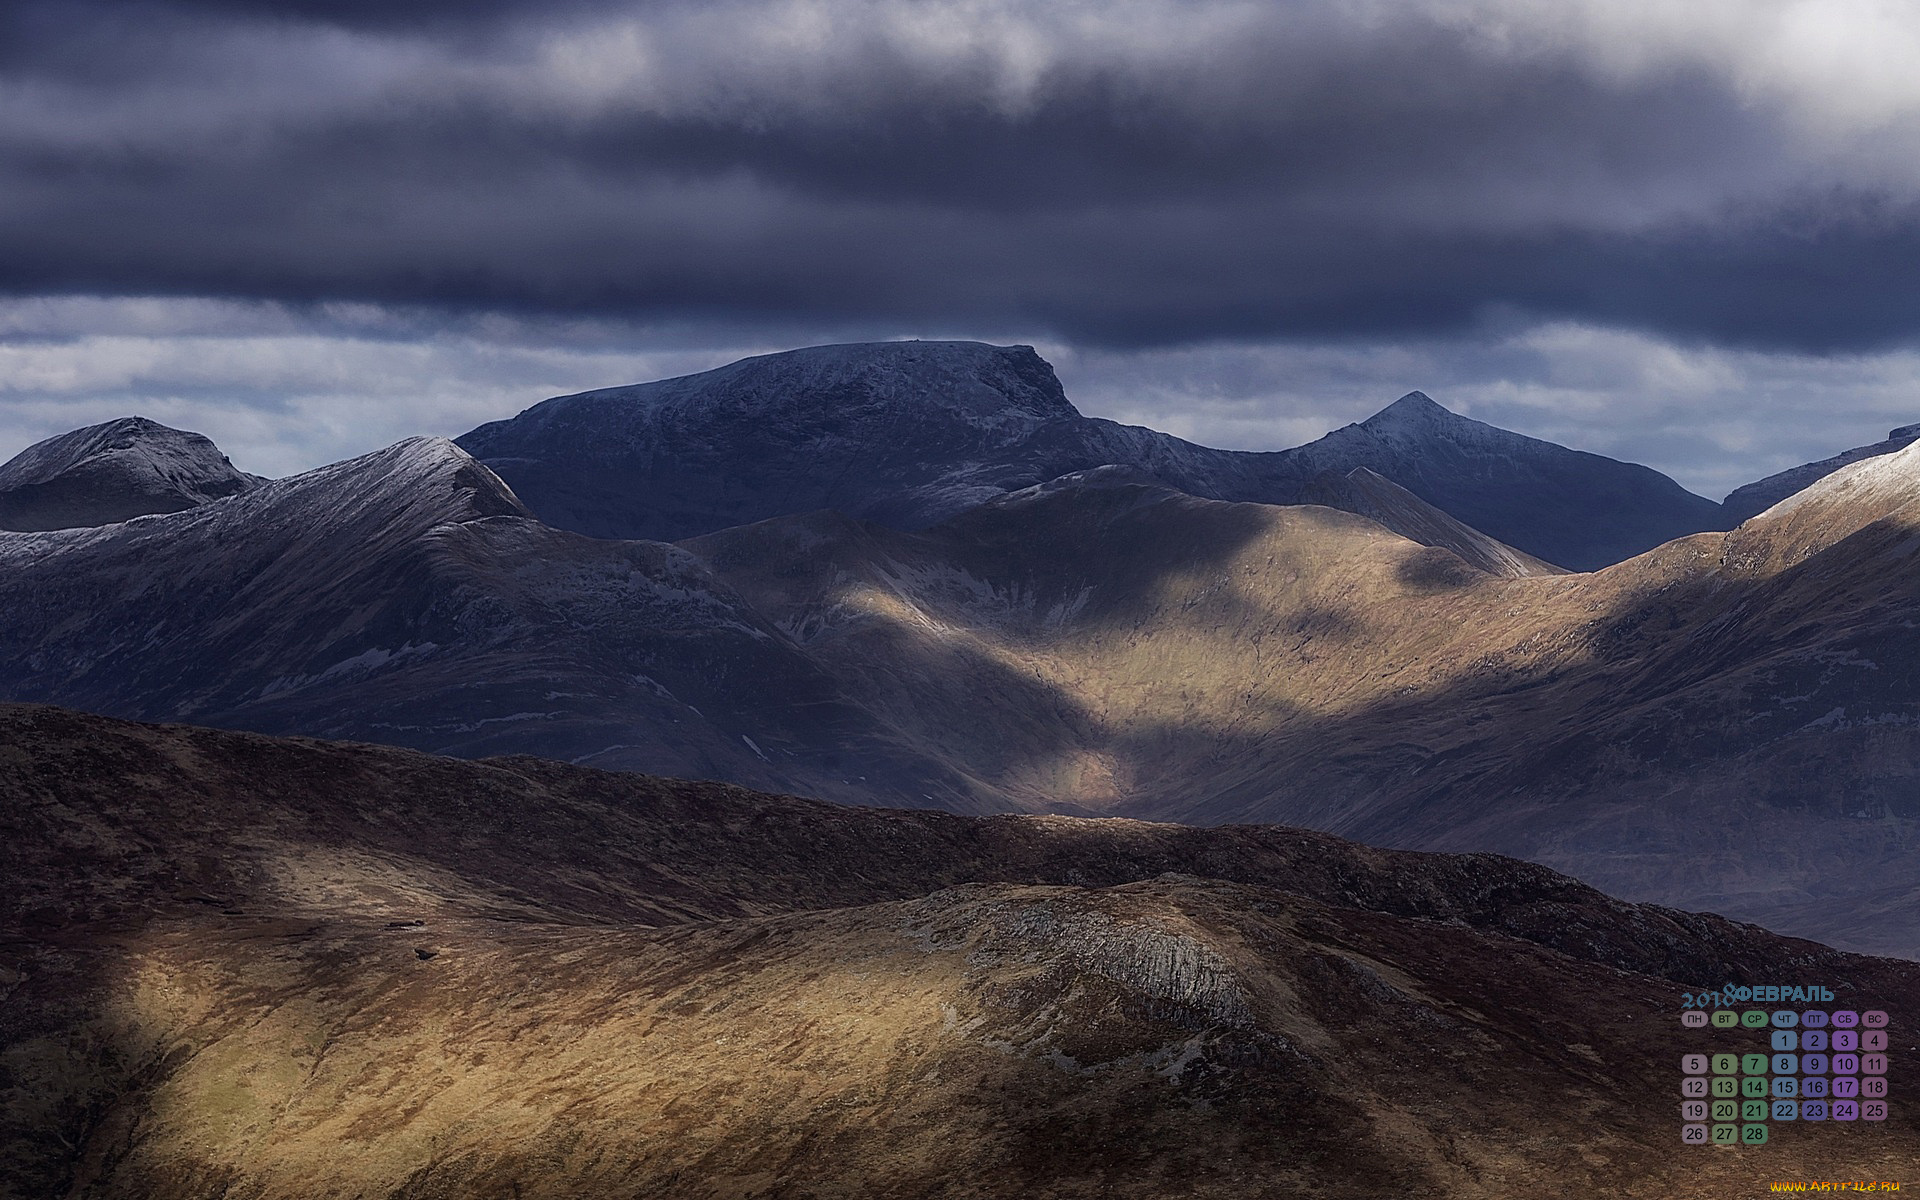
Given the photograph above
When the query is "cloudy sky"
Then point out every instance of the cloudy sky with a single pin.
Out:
(1686, 234)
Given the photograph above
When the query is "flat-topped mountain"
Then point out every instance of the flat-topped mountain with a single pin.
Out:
(113, 472)
(285, 968)
(908, 434)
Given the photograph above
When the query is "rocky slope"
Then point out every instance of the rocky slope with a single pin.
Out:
(281, 968)
(910, 433)
(113, 472)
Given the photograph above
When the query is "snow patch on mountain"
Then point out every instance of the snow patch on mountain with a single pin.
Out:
(1755, 498)
(1880, 484)
(113, 472)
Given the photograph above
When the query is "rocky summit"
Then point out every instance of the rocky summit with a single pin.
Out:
(114, 472)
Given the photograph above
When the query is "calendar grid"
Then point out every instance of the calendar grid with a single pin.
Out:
(1769, 1067)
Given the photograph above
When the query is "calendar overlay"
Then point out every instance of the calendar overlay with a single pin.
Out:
(1795, 1059)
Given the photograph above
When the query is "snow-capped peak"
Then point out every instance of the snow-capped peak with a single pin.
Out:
(106, 473)
(1414, 408)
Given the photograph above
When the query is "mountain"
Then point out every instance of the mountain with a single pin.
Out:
(1580, 510)
(114, 472)
(406, 596)
(284, 968)
(908, 434)
(1726, 723)
(1757, 497)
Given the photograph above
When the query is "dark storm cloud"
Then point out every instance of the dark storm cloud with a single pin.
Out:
(1183, 172)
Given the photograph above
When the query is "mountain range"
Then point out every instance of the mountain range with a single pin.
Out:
(283, 968)
(1725, 722)
(907, 434)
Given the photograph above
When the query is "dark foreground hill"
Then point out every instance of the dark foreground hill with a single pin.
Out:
(242, 966)
(908, 434)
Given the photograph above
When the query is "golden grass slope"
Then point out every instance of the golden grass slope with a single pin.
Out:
(1728, 721)
(254, 967)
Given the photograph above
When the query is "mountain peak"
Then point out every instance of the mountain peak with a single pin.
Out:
(910, 434)
(1414, 406)
(114, 471)
(1417, 416)
(416, 470)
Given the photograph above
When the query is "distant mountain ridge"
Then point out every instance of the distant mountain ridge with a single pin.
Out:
(911, 433)
(1762, 494)
(114, 471)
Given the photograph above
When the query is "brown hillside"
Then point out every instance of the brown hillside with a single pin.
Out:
(244, 966)
(1727, 722)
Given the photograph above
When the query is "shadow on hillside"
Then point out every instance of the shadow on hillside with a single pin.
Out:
(1644, 727)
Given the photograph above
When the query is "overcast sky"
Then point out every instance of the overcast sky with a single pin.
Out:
(1686, 234)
